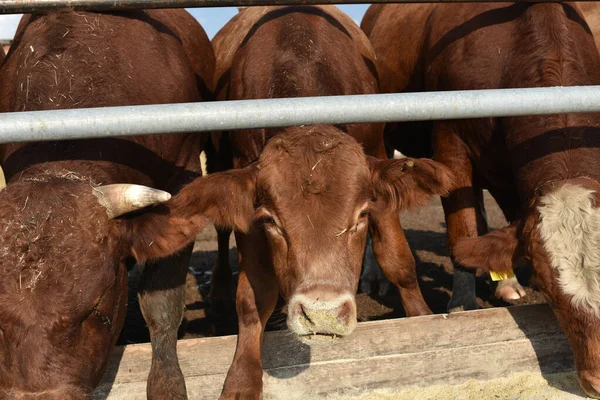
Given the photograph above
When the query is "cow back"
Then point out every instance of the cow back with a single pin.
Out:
(494, 46)
(65, 60)
(298, 51)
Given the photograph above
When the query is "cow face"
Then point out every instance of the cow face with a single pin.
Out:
(312, 193)
(314, 197)
(63, 288)
(561, 240)
(63, 282)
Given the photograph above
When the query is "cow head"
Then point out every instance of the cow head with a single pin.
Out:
(310, 196)
(63, 282)
(560, 237)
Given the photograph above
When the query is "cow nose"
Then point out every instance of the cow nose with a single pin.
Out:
(312, 314)
(590, 384)
(342, 313)
(345, 312)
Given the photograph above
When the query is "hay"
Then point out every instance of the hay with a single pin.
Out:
(521, 386)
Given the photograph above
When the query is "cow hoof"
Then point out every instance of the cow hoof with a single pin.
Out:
(240, 396)
(166, 382)
(459, 305)
(509, 289)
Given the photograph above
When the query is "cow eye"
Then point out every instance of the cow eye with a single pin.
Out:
(267, 221)
(269, 224)
(264, 218)
(364, 214)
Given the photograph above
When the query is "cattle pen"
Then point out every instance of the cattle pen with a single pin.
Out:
(380, 360)
(387, 359)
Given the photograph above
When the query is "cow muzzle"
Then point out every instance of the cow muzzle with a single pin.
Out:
(314, 316)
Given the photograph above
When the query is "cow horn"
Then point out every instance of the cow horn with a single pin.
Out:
(120, 199)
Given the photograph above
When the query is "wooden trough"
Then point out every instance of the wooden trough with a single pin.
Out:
(389, 355)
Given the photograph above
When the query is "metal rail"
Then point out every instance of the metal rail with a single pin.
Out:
(195, 117)
(28, 6)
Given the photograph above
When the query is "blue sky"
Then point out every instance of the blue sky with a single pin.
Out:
(212, 19)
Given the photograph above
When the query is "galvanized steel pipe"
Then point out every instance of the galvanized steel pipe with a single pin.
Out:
(195, 117)
(28, 6)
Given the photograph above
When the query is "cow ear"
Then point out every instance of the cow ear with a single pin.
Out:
(225, 198)
(408, 183)
(494, 251)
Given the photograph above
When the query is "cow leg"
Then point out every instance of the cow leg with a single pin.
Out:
(220, 283)
(463, 209)
(397, 262)
(507, 289)
(256, 298)
(162, 299)
(463, 219)
(371, 276)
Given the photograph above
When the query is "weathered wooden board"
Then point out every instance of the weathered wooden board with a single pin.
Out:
(383, 355)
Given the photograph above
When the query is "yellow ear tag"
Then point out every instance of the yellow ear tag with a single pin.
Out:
(500, 276)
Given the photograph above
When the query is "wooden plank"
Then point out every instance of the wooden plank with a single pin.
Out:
(391, 354)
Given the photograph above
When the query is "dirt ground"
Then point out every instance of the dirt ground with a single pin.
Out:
(425, 230)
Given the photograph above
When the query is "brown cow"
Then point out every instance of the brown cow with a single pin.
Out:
(63, 265)
(301, 199)
(543, 170)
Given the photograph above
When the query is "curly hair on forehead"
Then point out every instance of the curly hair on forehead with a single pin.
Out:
(304, 143)
(312, 157)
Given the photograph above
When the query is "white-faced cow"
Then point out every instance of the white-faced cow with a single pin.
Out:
(543, 171)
